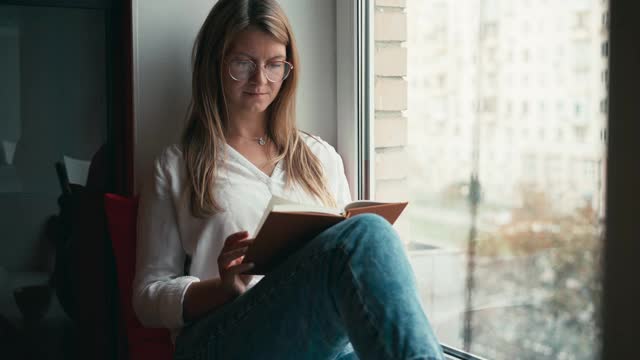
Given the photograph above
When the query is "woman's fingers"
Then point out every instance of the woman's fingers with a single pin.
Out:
(239, 269)
(238, 244)
(233, 251)
(237, 260)
(228, 256)
(235, 237)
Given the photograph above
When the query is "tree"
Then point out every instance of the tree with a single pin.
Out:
(549, 264)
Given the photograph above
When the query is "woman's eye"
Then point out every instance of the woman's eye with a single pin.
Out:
(275, 66)
(243, 65)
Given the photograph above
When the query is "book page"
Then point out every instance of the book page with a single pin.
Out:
(362, 203)
(279, 204)
(306, 208)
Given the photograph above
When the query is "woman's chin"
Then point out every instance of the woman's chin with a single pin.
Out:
(255, 107)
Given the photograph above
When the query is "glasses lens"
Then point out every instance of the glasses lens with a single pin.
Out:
(278, 71)
(241, 69)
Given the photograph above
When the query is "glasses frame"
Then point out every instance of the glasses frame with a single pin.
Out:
(255, 67)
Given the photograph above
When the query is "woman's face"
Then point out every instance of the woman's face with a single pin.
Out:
(255, 93)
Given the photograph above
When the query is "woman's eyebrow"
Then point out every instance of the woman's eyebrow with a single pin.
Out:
(242, 54)
(277, 57)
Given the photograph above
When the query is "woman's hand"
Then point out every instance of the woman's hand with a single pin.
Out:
(230, 263)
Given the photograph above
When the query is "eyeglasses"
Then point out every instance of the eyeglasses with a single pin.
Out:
(276, 71)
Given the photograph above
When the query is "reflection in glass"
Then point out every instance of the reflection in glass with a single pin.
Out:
(53, 106)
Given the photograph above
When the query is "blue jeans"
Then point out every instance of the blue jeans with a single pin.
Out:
(350, 288)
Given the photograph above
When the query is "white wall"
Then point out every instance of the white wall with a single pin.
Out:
(164, 31)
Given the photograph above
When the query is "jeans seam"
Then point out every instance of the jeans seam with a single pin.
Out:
(367, 314)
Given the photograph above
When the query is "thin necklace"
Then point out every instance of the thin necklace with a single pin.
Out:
(262, 140)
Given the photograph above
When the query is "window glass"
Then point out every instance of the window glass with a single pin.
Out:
(53, 108)
(489, 117)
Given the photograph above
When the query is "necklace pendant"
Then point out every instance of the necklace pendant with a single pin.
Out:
(261, 141)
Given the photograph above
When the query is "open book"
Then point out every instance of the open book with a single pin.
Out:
(285, 227)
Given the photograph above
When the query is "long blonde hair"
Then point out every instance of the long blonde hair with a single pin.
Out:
(207, 119)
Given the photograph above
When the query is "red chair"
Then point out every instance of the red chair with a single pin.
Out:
(143, 343)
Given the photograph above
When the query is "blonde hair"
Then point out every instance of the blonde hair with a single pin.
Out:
(207, 119)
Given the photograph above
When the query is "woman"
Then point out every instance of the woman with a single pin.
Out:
(350, 287)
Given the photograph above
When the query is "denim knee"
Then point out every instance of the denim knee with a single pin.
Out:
(371, 229)
(369, 219)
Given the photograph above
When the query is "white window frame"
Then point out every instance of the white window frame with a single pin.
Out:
(354, 82)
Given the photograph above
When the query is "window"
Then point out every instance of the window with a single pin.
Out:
(506, 256)
(64, 97)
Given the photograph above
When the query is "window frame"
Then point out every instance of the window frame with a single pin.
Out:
(354, 82)
(621, 246)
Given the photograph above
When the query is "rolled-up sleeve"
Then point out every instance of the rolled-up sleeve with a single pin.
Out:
(159, 285)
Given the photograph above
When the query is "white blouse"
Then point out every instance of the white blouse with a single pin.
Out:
(167, 231)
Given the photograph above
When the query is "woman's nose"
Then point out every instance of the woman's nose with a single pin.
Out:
(259, 76)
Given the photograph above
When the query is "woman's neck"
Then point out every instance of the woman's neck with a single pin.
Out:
(248, 125)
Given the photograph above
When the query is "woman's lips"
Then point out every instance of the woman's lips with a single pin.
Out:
(255, 93)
